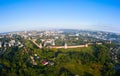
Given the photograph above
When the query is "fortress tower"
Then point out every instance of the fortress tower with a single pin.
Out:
(53, 43)
(86, 45)
(65, 45)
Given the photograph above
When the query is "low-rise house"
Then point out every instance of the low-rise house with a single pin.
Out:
(12, 43)
(9, 45)
(21, 45)
(45, 62)
(99, 43)
(33, 61)
(51, 63)
(35, 54)
(4, 45)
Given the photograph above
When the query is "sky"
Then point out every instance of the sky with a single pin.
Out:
(103, 15)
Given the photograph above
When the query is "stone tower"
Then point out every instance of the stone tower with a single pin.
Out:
(53, 43)
(65, 45)
(86, 45)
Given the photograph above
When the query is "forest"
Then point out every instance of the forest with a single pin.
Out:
(94, 60)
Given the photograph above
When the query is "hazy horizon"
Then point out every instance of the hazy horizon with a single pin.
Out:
(101, 15)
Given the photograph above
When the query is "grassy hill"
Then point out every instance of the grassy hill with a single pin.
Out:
(91, 61)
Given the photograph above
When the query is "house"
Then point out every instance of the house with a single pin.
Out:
(45, 62)
(35, 54)
(33, 61)
(12, 43)
(38, 57)
(4, 45)
(99, 43)
(51, 63)
(21, 45)
(9, 45)
(49, 41)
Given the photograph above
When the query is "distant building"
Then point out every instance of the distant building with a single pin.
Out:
(33, 61)
(12, 43)
(45, 62)
(51, 63)
(35, 54)
(4, 45)
(9, 45)
(99, 43)
(109, 42)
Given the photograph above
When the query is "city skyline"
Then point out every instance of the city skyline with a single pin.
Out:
(19, 15)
